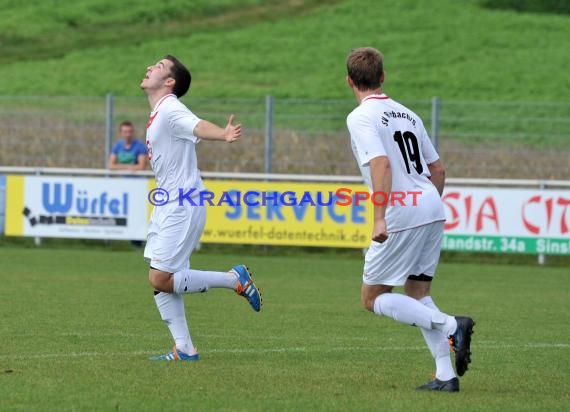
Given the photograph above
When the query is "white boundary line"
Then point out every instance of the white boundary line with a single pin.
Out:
(293, 349)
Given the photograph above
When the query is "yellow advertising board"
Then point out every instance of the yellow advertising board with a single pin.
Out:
(14, 205)
(286, 213)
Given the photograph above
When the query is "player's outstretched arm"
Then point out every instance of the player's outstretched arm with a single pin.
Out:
(206, 130)
(437, 172)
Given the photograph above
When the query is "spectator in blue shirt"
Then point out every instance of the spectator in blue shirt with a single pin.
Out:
(128, 153)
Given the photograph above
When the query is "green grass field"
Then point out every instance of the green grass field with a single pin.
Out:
(287, 48)
(500, 74)
(77, 326)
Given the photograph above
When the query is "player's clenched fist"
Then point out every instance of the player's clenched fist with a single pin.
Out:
(380, 233)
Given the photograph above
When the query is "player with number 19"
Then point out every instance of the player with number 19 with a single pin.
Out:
(394, 153)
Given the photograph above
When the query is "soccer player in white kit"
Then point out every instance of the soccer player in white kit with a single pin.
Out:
(174, 231)
(395, 154)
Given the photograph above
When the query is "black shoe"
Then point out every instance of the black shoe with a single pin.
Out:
(460, 341)
(451, 385)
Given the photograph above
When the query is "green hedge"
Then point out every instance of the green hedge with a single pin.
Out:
(533, 6)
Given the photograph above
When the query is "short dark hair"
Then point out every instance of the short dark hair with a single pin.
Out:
(365, 66)
(126, 123)
(181, 76)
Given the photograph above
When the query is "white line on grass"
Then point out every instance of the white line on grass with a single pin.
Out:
(160, 334)
(299, 349)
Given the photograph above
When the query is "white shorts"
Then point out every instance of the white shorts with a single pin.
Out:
(173, 233)
(409, 252)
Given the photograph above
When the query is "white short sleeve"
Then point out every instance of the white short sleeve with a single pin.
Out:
(365, 137)
(428, 151)
(183, 123)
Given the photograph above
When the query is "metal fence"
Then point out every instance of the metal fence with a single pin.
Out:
(475, 139)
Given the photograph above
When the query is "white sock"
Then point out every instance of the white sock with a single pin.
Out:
(171, 308)
(408, 310)
(198, 281)
(438, 346)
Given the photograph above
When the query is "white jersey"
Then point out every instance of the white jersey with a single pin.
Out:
(379, 126)
(171, 145)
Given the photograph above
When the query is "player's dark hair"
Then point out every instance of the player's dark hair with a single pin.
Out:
(181, 76)
(365, 66)
(126, 123)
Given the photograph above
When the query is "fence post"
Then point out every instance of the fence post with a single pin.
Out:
(108, 129)
(268, 133)
(435, 122)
